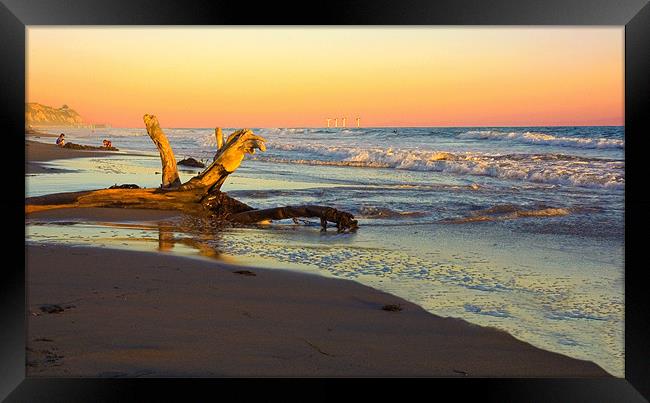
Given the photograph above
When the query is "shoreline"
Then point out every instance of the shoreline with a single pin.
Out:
(150, 314)
(37, 153)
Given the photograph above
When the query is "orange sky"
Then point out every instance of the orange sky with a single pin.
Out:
(299, 76)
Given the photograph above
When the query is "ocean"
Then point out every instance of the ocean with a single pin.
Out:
(519, 228)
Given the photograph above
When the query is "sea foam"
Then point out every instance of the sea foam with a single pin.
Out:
(540, 168)
(543, 139)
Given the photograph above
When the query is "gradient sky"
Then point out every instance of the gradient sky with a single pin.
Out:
(299, 76)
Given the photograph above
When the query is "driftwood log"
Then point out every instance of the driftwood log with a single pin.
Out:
(199, 195)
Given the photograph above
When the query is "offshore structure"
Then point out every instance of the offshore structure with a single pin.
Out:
(343, 122)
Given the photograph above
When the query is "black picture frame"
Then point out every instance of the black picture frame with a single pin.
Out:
(15, 15)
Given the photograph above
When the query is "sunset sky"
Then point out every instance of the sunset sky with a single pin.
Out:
(298, 77)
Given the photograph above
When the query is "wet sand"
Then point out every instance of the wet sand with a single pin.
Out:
(150, 314)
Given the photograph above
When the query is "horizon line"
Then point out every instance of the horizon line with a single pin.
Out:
(362, 127)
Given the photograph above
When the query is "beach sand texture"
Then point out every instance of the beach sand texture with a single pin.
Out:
(97, 312)
(141, 314)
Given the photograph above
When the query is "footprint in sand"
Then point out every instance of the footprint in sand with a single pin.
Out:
(54, 308)
(51, 308)
(245, 273)
(392, 308)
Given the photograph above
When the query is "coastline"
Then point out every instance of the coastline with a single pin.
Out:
(36, 153)
(39, 152)
(154, 314)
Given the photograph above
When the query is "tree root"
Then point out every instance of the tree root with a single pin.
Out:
(344, 221)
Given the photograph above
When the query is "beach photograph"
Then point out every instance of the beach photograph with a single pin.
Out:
(254, 201)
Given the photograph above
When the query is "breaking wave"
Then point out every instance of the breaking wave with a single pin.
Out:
(508, 212)
(383, 212)
(544, 139)
(557, 169)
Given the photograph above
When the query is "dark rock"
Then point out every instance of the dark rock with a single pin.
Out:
(73, 146)
(191, 162)
(125, 186)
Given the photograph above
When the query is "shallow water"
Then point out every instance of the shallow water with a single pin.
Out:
(537, 252)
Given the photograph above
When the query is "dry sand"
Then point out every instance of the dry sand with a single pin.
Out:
(137, 314)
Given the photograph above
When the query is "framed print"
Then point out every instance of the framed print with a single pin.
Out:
(440, 190)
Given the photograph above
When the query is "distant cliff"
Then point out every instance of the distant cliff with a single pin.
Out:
(41, 115)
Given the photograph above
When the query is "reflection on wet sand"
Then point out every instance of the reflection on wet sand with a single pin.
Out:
(193, 232)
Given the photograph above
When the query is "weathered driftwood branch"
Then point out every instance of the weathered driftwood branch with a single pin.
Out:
(228, 158)
(187, 201)
(342, 219)
(170, 176)
(219, 135)
(200, 194)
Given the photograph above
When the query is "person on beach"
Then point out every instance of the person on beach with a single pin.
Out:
(60, 141)
(107, 143)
